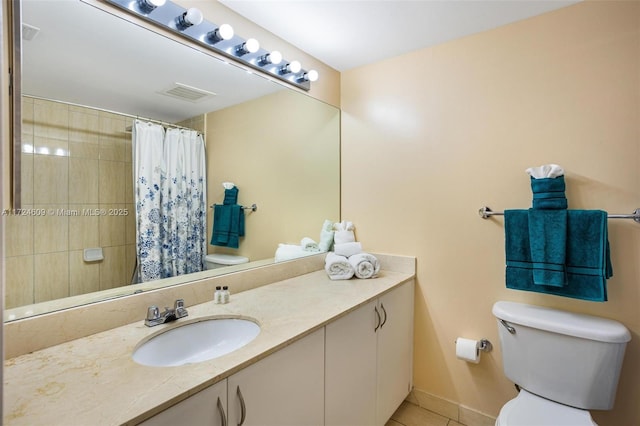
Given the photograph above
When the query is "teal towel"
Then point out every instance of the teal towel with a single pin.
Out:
(588, 260)
(548, 193)
(588, 252)
(230, 196)
(548, 245)
(228, 225)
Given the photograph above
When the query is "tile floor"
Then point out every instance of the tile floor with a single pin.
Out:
(409, 414)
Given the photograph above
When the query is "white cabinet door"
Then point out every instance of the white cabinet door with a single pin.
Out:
(395, 350)
(369, 360)
(350, 369)
(285, 388)
(206, 408)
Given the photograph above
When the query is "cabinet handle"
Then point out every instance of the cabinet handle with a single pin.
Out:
(375, 308)
(243, 408)
(384, 321)
(223, 416)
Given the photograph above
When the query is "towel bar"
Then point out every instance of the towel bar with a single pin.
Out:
(485, 212)
(253, 207)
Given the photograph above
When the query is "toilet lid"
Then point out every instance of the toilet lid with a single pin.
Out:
(528, 409)
(226, 259)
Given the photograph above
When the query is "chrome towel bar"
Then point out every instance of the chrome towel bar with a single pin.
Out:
(485, 213)
(253, 207)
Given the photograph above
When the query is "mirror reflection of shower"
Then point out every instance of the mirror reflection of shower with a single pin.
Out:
(80, 157)
(169, 184)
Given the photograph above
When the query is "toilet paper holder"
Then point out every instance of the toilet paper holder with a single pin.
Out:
(485, 345)
(469, 350)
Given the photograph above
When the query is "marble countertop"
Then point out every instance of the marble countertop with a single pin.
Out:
(94, 380)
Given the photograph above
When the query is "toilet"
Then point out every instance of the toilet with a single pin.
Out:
(219, 260)
(563, 363)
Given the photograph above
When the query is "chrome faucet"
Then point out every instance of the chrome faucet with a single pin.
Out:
(155, 317)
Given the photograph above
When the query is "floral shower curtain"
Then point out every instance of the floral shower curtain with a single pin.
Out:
(170, 196)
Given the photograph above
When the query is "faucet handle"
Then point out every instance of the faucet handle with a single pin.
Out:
(153, 312)
(179, 309)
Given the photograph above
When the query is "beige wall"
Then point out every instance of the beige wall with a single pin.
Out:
(431, 136)
(282, 152)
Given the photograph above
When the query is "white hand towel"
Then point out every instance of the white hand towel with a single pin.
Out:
(365, 265)
(308, 244)
(348, 249)
(545, 171)
(338, 267)
(343, 226)
(342, 237)
(326, 236)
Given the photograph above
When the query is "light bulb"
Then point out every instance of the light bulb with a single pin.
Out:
(191, 17)
(149, 5)
(312, 75)
(274, 58)
(252, 45)
(224, 32)
(249, 46)
(291, 67)
(295, 66)
(194, 16)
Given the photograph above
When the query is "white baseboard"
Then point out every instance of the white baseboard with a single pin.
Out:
(463, 415)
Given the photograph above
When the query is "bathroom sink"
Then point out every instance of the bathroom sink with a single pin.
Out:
(196, 342)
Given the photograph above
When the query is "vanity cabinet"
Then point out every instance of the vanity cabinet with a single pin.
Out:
(394, 350)
(369, 360)
(285, 388)
(356, 370)
(207, 407)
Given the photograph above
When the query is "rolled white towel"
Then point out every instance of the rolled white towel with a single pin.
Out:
(309, 244)
(348, 249)
(342, 237)
(365, 265)
(290, 251)
(338, 267)
(326, 236)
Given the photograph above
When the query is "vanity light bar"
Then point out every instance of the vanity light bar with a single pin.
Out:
(221, 39)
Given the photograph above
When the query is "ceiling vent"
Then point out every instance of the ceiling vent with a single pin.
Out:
(187, 93)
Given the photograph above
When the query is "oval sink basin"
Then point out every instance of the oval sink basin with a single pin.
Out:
(196, 342)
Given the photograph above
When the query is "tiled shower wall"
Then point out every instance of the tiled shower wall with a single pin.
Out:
(77, 178)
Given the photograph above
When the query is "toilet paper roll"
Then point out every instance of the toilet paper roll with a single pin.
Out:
(468, 350)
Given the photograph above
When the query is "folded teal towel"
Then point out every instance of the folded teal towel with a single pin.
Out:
(228, 225)
(548, 245)
(548, 193)
(587, 257)
(230, 196)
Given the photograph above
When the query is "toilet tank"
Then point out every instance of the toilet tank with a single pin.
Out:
(570, 358)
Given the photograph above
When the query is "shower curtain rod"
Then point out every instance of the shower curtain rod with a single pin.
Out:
(162, 123)
(128, 128)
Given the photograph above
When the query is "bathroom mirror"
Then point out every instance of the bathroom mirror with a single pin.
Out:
(81, 90)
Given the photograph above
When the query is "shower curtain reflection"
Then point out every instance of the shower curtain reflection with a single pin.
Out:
(170, 197)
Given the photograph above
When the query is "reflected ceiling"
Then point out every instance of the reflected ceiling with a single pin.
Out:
(77, 75)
